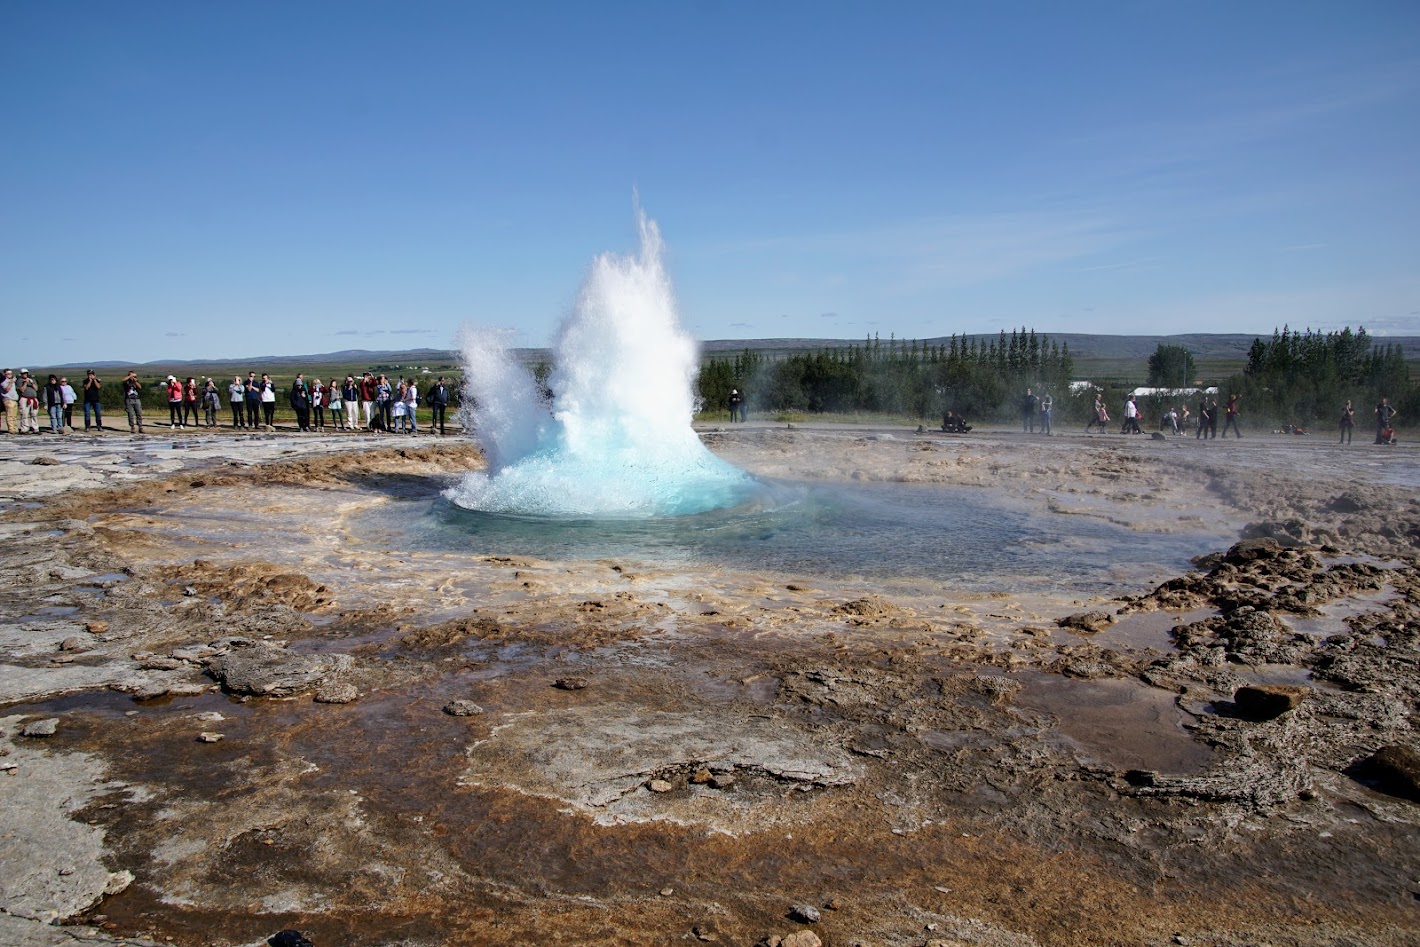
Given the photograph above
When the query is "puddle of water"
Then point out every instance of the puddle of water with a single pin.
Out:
(50, 612)
(1332, 620)
(1120, 723)
(1143, 630)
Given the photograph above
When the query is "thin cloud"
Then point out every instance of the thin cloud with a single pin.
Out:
(347, 332)
(741, 325)
(174, 335)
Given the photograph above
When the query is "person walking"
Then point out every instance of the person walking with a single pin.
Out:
(1098, 415)
(10, 394)
(92, 401)
(1385, 413)
(1231, 420)
(1131, 417)
(438, 401)
(133, 402)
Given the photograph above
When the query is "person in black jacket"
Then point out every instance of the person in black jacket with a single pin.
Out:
(438, 399)
(301, 402)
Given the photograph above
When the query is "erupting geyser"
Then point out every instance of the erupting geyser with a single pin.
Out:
(616, 439)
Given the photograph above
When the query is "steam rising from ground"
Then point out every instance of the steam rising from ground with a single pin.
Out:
(616, 438)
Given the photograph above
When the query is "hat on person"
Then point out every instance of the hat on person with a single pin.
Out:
(172, 378)
(24, 371)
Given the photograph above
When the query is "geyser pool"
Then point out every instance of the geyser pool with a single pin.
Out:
(615, 439)
(961, 537)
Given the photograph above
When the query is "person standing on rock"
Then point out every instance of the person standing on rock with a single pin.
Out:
(439, 402)
(268, 400)
(1028, 405)
(301, 403)
(66, 391)
(736, 399)
(251, 400)
(1232, 416)
(350, 394)
(1047, 408)
(1385, 414)
(190, 397)
(133, 402)
(1348, 422)
(54, 401)
(236, 396)
(10, 394)
(92, 401)
(211, 402)
(29, 403)
(369, 391)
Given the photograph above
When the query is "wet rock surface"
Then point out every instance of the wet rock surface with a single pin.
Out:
(987, 769)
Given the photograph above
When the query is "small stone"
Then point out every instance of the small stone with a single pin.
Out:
(160, 664)
(570, 683)
(45, 461)
(207, 736)
(834, 904)
(805, 914)
(659, 785)
(73, 643)
(722, 781)
(801, 939)
(667, 892)
(189, 591)
(1089, 622)
(701, 776)
(462, 708)
(1266, 701)
(41, 728)
(96, 627)
(703, 933)
(118, 881)
(336, 692)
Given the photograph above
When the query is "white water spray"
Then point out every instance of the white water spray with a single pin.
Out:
(616, 439)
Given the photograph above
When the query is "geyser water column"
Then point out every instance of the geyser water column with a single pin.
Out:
(616, 438)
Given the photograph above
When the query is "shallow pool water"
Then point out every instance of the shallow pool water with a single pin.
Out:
(958, 536)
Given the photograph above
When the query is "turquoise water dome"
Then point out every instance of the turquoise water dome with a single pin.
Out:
(616, 438)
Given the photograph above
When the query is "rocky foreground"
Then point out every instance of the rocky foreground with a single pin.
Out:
(229, 706)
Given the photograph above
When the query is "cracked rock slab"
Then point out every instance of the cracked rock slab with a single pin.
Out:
(601, 761)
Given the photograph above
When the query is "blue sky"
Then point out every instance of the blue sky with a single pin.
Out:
(223, 179)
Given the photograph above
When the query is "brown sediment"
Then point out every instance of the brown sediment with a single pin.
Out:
(946, 768)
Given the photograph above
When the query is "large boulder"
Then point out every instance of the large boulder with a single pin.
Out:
(262, 669)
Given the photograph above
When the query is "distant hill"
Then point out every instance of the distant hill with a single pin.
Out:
(1088, 350)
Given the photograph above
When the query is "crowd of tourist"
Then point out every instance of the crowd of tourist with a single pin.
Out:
(368, 403)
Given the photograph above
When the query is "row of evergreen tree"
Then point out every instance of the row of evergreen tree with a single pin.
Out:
(894, 377)
(1299, 378)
